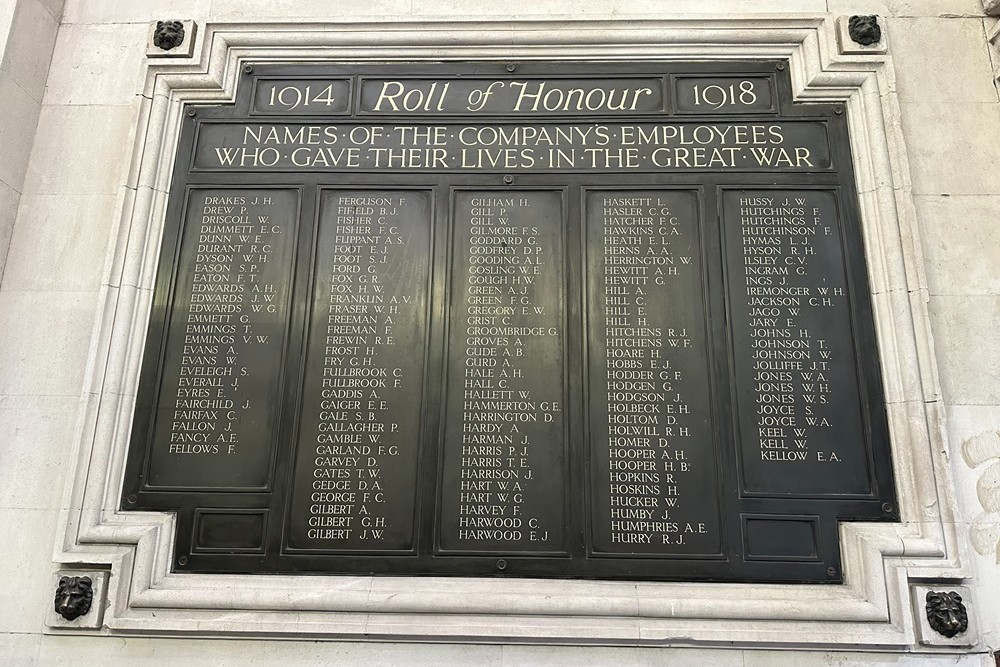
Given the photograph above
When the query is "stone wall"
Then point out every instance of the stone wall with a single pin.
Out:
(27, 35)
(68, 182)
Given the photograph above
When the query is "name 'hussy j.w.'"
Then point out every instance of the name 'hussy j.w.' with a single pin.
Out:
(513, 96)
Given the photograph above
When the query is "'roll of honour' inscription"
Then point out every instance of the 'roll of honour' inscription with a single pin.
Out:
(654, 487)
(800, 420)
(220, 379)
(355, 485)
(504, 464)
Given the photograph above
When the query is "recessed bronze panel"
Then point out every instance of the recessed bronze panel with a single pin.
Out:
(216, 414)
(354, 487)
(503, 457)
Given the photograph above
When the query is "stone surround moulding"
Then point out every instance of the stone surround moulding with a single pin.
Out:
(880, 561)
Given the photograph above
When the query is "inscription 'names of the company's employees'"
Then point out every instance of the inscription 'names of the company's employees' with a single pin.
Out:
(640, 147)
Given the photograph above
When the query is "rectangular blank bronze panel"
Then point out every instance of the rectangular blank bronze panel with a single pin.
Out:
(579, 320)
(231, 531)
(781, 538)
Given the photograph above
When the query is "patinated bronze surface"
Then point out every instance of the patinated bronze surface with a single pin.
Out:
(584, 320)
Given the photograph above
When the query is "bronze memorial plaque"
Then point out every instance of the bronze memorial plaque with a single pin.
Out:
(581, 320)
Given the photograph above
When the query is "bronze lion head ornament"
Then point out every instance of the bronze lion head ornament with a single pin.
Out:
(168, 34)
(946, 613)
(74, 596)
(864, 29)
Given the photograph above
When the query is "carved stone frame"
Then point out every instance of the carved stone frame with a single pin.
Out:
(880, 561)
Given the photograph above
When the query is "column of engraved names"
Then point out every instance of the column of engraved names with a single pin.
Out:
(355, 475)
(503, 467)
(655, 489)
(797, 388)
(221, 370)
